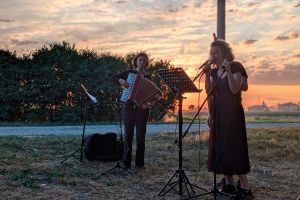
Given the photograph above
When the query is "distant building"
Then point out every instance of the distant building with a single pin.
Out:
(191, 107)
(273, 108)
(288, 107)
(258, 108)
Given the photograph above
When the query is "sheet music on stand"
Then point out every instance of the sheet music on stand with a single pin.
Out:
(177, 80)
(94, 99)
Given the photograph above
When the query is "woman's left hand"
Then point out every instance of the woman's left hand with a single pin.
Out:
(226, 64)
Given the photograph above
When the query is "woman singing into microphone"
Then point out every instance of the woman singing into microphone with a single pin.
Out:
(228, 148)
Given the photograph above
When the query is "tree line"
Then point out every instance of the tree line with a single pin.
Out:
(44, 86)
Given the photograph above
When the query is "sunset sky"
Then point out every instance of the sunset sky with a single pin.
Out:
(264, 35)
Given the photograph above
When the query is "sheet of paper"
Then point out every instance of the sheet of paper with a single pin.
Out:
(94, 99)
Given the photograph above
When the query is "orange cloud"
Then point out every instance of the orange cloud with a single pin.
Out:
(179, 31)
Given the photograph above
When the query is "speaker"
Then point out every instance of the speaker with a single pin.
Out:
(104, 147)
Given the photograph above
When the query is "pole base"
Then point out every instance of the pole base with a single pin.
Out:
(117, 166)
(184, 185)
(72, 155)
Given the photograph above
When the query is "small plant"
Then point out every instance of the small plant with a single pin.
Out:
(26, 178)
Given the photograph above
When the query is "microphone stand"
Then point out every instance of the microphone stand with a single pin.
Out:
(208, 95)
(120, 143)
(215, 190)
(81, 148)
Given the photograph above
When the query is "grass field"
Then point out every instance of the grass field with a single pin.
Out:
(30, 167)
(257, 117)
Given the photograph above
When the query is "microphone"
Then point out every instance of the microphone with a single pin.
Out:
(223, 64)
(201, 66)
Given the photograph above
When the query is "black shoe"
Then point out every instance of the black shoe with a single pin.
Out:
(228, 189)
(243, 194)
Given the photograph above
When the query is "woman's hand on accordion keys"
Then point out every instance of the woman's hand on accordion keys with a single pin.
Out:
(123, 83)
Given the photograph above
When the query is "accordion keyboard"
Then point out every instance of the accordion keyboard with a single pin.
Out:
(126, 91)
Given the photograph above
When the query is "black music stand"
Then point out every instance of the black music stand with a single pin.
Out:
(81, 148)
(179, 83)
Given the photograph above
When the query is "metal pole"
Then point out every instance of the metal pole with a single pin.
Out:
(83, 132)
(180, 119)
(221, 19)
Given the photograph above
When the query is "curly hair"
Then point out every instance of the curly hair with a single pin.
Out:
(225, 48)
(137, 56)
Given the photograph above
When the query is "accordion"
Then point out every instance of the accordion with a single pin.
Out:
(143, 92)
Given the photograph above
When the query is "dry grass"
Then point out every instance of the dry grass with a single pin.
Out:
(30, 167)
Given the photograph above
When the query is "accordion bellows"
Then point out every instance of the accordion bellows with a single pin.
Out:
(143, 92)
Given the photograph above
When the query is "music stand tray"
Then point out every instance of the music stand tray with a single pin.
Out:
(179, 82)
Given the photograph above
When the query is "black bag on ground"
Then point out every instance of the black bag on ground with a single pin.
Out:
(104, 147)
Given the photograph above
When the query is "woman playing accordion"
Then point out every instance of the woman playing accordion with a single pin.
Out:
(133, 114)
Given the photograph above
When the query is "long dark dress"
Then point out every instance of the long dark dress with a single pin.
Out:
(228, 129)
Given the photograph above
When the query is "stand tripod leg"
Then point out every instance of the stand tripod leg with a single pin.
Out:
(215, 191)
(187, 182)
(109, 170)
(192, 186)
(168, 184)
(172, 187)
(71, 154)
(183, 181)
(117, 166)
(82, 140)
(187, 185)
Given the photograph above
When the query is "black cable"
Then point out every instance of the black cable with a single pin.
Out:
(175, 134)
(199, 135)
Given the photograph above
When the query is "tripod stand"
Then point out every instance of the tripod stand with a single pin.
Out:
(180, 83)
(81, 148)
(120, 143)
(215, 191)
